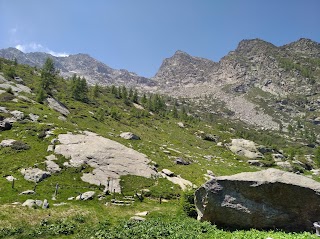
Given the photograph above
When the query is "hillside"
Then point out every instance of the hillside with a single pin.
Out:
(58, 135)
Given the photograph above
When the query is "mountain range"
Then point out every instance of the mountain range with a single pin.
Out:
(258, 83)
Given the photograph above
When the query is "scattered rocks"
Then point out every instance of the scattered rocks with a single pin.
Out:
(57, 106)
(266, 199)
(129, 136)
(86, 196)
(34, 174)
(7, 142)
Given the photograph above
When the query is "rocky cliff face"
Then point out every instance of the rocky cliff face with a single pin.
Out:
(290, 71)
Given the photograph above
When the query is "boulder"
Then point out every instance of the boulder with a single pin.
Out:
(57, 106)
(30, 203)
(129, 135)
(7, 142)
(245, 148)
(180, 124)
(168, 172)
(181, 161)
(34, 174)
(266, 199)
(5, 125)
(86, 196)
(52, 167)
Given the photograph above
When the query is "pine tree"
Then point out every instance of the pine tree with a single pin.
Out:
(135, 96)
(48, 75)
(96, 91)
(41, 96)
(144, 100)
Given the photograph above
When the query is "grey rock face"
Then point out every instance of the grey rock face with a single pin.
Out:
(34, 174)
(265, 200)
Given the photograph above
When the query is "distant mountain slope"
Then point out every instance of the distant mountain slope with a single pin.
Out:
(258, 83)
(81, 64)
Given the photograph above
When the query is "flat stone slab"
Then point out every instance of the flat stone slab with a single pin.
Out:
(109, 159)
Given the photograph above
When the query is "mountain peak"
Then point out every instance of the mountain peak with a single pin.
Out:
(304, 46)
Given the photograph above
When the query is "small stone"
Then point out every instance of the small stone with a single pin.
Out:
(142, 214)
(45, 204)
(10, 178)
(181, 125)
(27, 192)
(136, 218)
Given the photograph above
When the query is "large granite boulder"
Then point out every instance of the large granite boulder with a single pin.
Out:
(264, 200)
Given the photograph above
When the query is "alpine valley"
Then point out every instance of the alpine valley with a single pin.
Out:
(87, 151)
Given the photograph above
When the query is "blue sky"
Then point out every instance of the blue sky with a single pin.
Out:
(138, 34)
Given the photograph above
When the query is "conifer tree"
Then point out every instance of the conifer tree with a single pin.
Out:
(48, 76)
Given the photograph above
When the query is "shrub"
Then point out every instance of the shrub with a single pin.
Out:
(187, 203)
(19, 145)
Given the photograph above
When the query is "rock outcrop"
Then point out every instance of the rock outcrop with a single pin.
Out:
(34, 174)
(246, 148)
(109, 159)
(265, 200)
